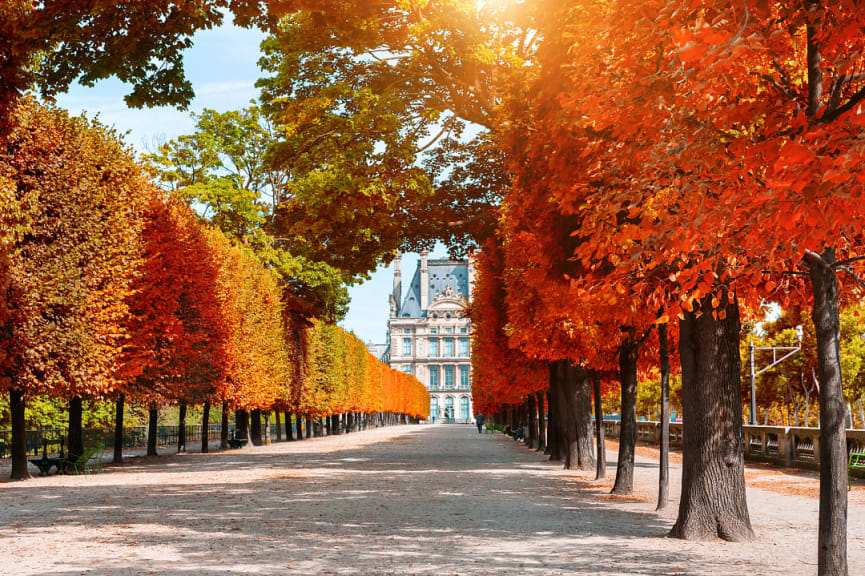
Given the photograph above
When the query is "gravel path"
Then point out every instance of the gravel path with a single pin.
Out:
(436, 499)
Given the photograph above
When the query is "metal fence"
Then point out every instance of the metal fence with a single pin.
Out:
(792, 446)
(133, 437)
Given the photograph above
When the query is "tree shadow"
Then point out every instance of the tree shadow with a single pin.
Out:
(426, 504)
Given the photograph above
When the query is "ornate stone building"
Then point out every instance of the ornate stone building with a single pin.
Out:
(429, 336)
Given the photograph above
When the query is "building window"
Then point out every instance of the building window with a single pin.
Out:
(464, 408)
(449, 407)
(406, 346)
(433, 331)
(433, 407)
(433, 377)
(407, 368)
(449, 377)
(464, 330)
(433, 347)
(449, 330)
(406, 330)
(464, 347)
(449, 347)
(464, 376)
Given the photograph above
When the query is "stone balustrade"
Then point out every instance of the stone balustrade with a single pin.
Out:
(792, 447)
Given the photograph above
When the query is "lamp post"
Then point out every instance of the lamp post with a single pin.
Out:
(775, 361)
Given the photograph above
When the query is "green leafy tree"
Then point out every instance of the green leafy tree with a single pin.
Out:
(387, 115)
(220, 170)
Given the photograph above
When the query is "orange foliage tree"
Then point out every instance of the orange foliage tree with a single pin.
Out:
(71, 198)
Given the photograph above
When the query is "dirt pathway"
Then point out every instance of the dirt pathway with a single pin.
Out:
(407, 500)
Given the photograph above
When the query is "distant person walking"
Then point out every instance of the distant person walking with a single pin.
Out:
(479, 420)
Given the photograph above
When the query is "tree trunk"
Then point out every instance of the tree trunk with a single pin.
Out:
(205, 428)
(555, 435)
(531, 441)
(19, 436)
(664, 467)
(628, 352)
(223, 432)
(241, 425)
(861, 413)
(276, 416)
(565, 403)
(255, 427)
(181, 429)
(118, 428)
(288, 426)
(542, 434)
(601, 457)
(152, 430)
(712, 504)
(328, 425)
(75, 438)
(832, 527)
(266, 435)
(308, 427)
(583, 420)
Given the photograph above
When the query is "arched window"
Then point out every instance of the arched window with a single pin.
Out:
(449, 407)
(433, 407)
(464, 408)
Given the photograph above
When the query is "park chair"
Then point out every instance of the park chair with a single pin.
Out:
(79, 465)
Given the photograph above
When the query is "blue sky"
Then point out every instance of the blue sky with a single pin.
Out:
(222, 66)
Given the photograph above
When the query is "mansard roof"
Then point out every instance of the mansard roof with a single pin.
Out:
(442, 273)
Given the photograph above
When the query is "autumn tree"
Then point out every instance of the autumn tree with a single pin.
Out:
(70, 218)
(178, 330)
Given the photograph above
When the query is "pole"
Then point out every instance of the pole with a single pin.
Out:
(753, 419)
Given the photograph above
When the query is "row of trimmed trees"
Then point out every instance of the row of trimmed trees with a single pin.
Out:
(111, 289)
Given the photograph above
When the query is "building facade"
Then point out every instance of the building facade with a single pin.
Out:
(429, 335)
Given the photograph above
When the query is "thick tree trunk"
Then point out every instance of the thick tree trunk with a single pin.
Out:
(75, 439)
(553, 431)
(276, 416)
(241, 425)
(289, 435)
(223, 432)
(328, 425)
(583, 420)
(542, 434)
(152, 430)
(531, 441)
(628, 352)
(712, 503)
(832, 527)
(601, 457)
(664, 467)
(565, 391)
(205, 428)
(308, 427)
(181, 429)
(118, 428)
(19, 436)
(255, 427)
